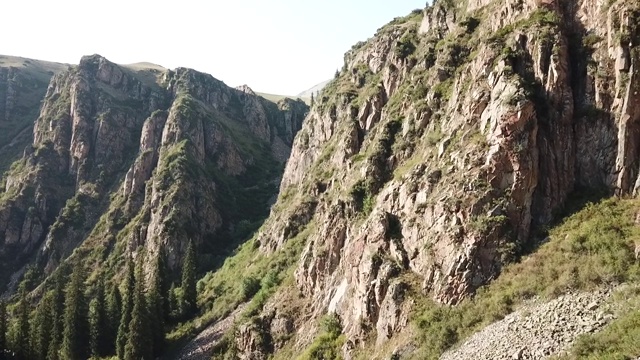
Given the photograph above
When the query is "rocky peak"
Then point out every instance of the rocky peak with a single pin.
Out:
(246, 89)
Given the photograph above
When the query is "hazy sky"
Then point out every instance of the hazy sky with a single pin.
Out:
(276, 46)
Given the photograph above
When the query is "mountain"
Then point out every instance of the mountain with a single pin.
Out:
(313, 90)
(465, 187)
(451, 145)
(131, 157)
(23, 83)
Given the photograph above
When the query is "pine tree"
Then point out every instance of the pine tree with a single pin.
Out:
(3, 329)
(157, 301)
(189, 294)
(114, 312)
(98, 323)
(42, 327)
(312, 99)
(163, 283)
(57, 313)
(22, 335)
(174, 303)
(127, 308)
(139, 339)
(75, 339)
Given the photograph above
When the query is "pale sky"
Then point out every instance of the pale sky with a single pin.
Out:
(274, 46)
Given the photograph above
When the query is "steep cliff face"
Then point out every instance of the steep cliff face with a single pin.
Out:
(444, 143)
(23, 83)
(130, 157)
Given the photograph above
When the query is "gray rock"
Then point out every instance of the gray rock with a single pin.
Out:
(548, 329)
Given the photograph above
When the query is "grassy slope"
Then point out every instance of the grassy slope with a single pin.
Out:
(591, 248)
(276, 98)
(314, 90)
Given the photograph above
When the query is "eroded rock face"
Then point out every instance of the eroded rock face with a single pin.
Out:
(138, 156)
(437, 164)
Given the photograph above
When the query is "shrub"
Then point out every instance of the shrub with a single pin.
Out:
(250, 286)
(619, 340)
(331, 324)
(406, 45)
(362, 197)
(327, 345)
(470, 24)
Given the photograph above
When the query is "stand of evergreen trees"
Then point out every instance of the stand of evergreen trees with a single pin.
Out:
(70, 321)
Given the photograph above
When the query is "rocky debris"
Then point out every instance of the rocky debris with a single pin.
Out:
(202, 346)
(538, 330)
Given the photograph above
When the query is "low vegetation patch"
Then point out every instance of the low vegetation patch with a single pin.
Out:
(329, 343)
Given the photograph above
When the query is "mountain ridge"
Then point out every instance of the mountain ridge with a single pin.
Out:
(315, 90)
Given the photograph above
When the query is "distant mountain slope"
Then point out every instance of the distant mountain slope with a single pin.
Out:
(275, 98)
(314, 90)
(23, 83)
(126, 157)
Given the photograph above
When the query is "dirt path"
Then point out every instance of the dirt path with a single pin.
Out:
(201, 347)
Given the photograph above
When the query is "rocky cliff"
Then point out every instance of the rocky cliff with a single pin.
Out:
(137, 157)
(441, 152)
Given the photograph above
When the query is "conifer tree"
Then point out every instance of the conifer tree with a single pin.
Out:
(139, 339)
(174, 303)
(312, 99)
(127, 308)
(163, 283)
(3, 329)
(114, 312)
(189, 294)
(98, 322)
(22, 334)
(42, 327)
(75, 339)
(57, 313)
(157, 301)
